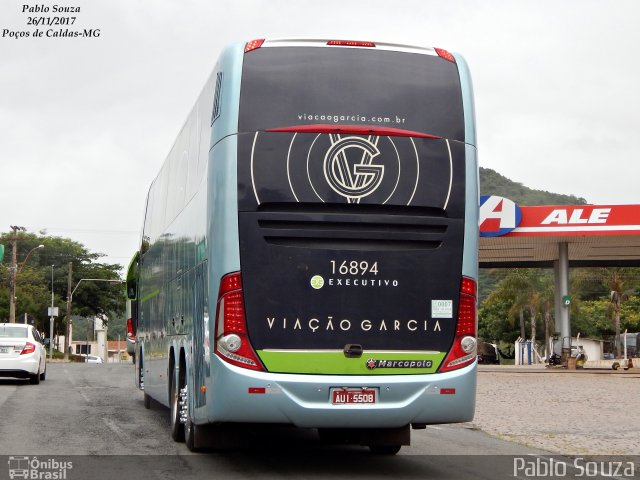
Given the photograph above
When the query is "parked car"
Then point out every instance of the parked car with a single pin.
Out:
(22, 353)
(91, 358)
(488, 353)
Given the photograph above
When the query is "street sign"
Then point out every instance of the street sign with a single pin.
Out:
(52, 311)
(1, 252)
(566, 300)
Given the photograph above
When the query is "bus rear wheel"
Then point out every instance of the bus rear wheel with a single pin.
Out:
(177, 427)
(190, 428)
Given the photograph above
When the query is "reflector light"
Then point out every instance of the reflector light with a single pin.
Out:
(466, 315)
(444, 54)
(353, 130)
(469, 287)
(350, 43)
(232, 342)
(28, 348)
(234, 313)
(230, 282)
(253, 45)
(257, 390)
(447, 391)
(130, 334)
(465, 328)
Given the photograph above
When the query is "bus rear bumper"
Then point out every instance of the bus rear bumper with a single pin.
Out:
(306, 401)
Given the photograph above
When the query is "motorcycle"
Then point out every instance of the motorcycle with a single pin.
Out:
(554, 359)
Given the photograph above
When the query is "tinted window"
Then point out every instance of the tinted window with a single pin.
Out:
(13, 332)
(287, 86)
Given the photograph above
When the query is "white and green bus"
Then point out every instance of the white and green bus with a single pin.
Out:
(309, 249)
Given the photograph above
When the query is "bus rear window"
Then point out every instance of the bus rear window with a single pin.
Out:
(287, 86)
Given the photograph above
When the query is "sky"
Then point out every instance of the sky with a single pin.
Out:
(85, 123)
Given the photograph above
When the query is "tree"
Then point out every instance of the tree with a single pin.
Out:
(34, 282)
(492, 183)
(521, 290)
(494, 322)
(547, 294)
(616, 284)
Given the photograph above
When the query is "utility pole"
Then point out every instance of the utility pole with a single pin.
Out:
(67, 339)
(68, 331)
(14, 273)
(52, 314)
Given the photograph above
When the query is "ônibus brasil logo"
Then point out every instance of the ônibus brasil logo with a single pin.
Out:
(33, 468)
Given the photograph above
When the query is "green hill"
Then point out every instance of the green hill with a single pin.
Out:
(492, 183)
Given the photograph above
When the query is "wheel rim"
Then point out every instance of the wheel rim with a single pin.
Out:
(177, 430)
(174, 401)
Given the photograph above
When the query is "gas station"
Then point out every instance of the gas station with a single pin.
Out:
(558, 237)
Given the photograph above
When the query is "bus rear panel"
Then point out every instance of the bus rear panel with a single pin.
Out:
(352, 208)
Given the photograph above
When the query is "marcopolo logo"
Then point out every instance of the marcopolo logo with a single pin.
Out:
(372, 363)
(38, 469)
(498, 216)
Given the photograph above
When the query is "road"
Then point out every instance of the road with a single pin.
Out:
(94, 413)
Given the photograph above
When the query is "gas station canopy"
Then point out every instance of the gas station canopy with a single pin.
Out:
(558, 237)
(595, 235)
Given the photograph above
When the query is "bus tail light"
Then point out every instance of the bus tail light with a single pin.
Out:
(444, 54)
(253, 45)
(352, 130)
(350, 43)
(232, 341)
(464, 349)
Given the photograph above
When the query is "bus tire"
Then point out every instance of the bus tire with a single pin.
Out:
(191, 430)
(190, 435)
(385, 449)
(177, 428)
(615, 366)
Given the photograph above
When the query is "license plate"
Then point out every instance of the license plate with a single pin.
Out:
(4, 349)
(354, 396)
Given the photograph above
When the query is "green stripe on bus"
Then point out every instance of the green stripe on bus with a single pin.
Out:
(149, 296)
(335, 363)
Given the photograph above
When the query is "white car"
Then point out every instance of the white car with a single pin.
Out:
(91, 358)
(22, 353)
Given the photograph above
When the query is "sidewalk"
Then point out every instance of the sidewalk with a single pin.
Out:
(542, 368)
(571, 412)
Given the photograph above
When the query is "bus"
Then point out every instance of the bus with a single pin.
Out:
(630, 340)
(309, 248)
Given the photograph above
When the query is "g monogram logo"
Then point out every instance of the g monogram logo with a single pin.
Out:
(350, 179)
